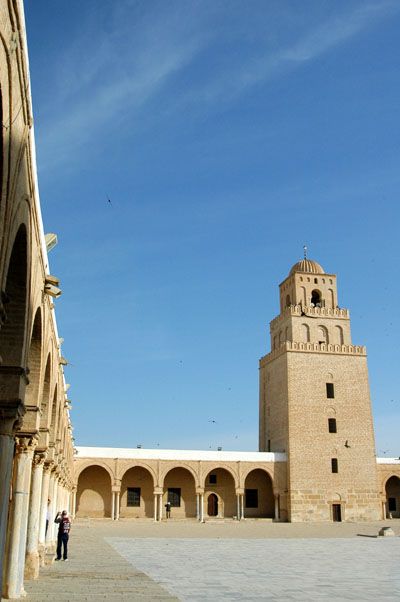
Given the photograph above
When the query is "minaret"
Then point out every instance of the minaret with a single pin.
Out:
(315, 403)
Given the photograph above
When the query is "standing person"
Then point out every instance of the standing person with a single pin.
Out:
(168, 509)
(63, 534)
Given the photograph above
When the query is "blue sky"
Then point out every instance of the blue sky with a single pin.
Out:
(227, 135)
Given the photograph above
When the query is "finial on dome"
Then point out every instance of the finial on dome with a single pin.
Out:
(305, 251)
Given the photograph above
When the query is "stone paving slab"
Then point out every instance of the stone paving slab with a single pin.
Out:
(309, 570)
(252, 560)
(94, 571)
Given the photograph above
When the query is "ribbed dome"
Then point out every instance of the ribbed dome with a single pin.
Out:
(307, 265)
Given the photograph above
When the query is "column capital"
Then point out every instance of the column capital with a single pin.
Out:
(239, 491)
(39, 459)
(200, 490)
(55, 471)
(48, 466)
(25, 444)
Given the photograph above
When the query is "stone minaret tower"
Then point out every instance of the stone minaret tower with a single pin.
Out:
(315, 403)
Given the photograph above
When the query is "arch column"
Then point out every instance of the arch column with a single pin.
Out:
(73, 502)
(115, 500)
(10, 416)
(14, 573)
(44, 506)
(202, 507)
(277, 511)
(32, 540)
(160, 506)
(200, 504)
(155, 502)
(112, 504)
(240, 503)
(53, 494)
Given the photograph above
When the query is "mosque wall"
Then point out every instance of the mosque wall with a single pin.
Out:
(36, 445)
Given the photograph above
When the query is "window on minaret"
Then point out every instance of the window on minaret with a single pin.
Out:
(334, 465)
(330, 391)
(332, 425)
(287, 300)
(316, 300)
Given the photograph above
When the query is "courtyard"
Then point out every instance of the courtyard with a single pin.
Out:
(223, 560)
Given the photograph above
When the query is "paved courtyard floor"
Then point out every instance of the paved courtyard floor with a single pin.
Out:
(251, 560)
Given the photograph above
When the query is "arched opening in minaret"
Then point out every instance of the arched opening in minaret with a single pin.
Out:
(393, 497)
(316, 299)
(288, 302)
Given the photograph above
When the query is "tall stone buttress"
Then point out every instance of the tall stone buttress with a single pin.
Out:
(315, 403)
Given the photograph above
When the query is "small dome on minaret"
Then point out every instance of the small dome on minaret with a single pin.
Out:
(308, 266)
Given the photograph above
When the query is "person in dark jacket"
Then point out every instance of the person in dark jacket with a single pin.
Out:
(64, 527)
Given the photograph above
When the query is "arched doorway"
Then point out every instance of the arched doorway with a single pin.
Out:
(137, 499)
(221, 483)
(180, 491)
(93, 497)
(212, 505)
(259, 501)
(393, 497)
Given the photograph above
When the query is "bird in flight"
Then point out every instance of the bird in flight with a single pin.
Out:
(109, 200)
(213, 421)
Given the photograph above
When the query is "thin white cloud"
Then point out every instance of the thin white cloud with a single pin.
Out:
(121, 73)
(131, 65)
(328, 35)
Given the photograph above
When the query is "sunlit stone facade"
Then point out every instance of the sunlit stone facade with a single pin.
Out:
(316, 460)
(317, 453)
(36, 447)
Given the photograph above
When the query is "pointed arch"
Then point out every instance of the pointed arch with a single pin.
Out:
(12, 340)
(45, 397)
(34, 362)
